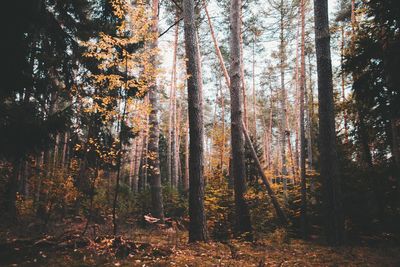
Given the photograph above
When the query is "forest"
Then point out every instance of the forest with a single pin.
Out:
(200, 133)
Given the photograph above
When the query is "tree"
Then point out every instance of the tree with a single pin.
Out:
(174, 140)
(37, 53)
(330, 175)
(153, 150)
(302, 129)
(283, 21)
(372, 61)
(243, 224)
(197, 226)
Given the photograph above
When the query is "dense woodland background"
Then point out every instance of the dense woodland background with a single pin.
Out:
(239, 123)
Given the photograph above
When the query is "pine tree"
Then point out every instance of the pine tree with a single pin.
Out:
(197, 226)
(334, 218)
(243, 224)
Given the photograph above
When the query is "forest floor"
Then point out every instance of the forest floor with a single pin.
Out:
(63, 245)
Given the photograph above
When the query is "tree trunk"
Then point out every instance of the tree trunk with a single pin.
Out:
(177, 143)
(303, 209)
(353, 16)
(243, 224)
(145, 158)
(254, 90)
(242, 76)
(223, 130)
(65, 151)
(310, 115)
(282, 55)
(270, 133)
(120, 149)
(173, 140)
(186, 174)
(343, 82)
(169, 140)
(216, 46)
(334, 217)
(297, 99)
(290, 150)
(197, 225)
(136, 166)
(154, 174)
(132, 167)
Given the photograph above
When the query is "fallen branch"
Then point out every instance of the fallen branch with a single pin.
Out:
(279, 211)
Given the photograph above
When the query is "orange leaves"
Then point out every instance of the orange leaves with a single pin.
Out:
(125, 63)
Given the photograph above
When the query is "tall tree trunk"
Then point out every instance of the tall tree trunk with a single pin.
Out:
(243, 224)
(136, 162)
(223, 130)
(186, 174)
(169, 138)
(65, 151)
(132, 166)
(242, 76)
(343, 82)
(353, 16)
(310, 115)
(297, 99)
(289, 146)
(254, 89)
(177, 143)
(120, 149)
(282, 55)
(303, 209)
(154, 174)
(48, 163)
(334, 217)
(145, 158)
(216, 46)
(270, 133)
(197, 225)
(173, 140)
(56, 155)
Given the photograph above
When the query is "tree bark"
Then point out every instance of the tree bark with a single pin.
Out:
(310, 115)
(197, 225)
(254, 89)
(334, 218)
(242, 76)
(136, 166)
(120, 150)
(282, 55)
(154, 174)
(186, 174)
(243, 224)
(270, 133)
(343, 82)
(223, 130)
(290, 150)
(173, 109)
(177, 143)
(303, 209)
